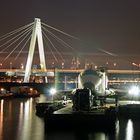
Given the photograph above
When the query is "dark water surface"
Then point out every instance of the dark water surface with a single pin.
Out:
(18, 121)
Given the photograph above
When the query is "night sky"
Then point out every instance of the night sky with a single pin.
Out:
(111, 25)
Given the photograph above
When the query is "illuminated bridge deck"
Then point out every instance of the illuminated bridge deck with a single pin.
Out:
(114, 76)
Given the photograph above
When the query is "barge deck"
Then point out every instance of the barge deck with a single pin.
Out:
(66, 117)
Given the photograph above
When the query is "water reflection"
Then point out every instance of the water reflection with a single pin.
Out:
(80, 135)
(98, 136)
(136, 127)
(129, 130)
(19, 122)
(1, 118)
(27, 121)
(117, 129)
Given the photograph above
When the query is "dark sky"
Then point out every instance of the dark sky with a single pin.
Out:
(113, 25)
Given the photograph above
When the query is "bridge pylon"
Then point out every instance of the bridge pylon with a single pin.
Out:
(36, 34)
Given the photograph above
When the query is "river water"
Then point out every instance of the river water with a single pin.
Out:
(18, 121)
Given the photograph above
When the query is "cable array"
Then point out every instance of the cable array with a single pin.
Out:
(47, 28)
(18, 40)
(11, 42)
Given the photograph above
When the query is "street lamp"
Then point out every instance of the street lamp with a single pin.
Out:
(31, 90)
(62, 65)
(10, 70)
(114, 64)
(10, 65)
(53, 92)
(0, 64)
(22, 66)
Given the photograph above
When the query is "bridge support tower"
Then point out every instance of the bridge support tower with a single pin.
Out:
(36, 34)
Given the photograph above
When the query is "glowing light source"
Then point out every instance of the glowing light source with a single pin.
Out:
(22, 66)
(31, 89)
(134, 90)
(2, 89)
(52, 91)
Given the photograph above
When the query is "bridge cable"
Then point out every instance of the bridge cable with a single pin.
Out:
(59, 39)
(23, 32)
(22, 47)
(100, 49)
(60, 31)
(54, 47)
(14, 32)
(47, 44)
(17, 45)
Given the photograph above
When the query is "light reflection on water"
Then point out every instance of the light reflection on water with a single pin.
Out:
(18, 121)
(80, 135)
(129, 130)
(1, 118)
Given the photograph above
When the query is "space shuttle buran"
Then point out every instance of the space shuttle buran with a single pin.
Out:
(92, 87)
(95, 80)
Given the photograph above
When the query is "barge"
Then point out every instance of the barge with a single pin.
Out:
(43, 108)
(67, 118)
(81, 112)
(89, 106)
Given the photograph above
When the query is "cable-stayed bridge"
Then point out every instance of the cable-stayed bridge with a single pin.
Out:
(28, 35)
(30, 39)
